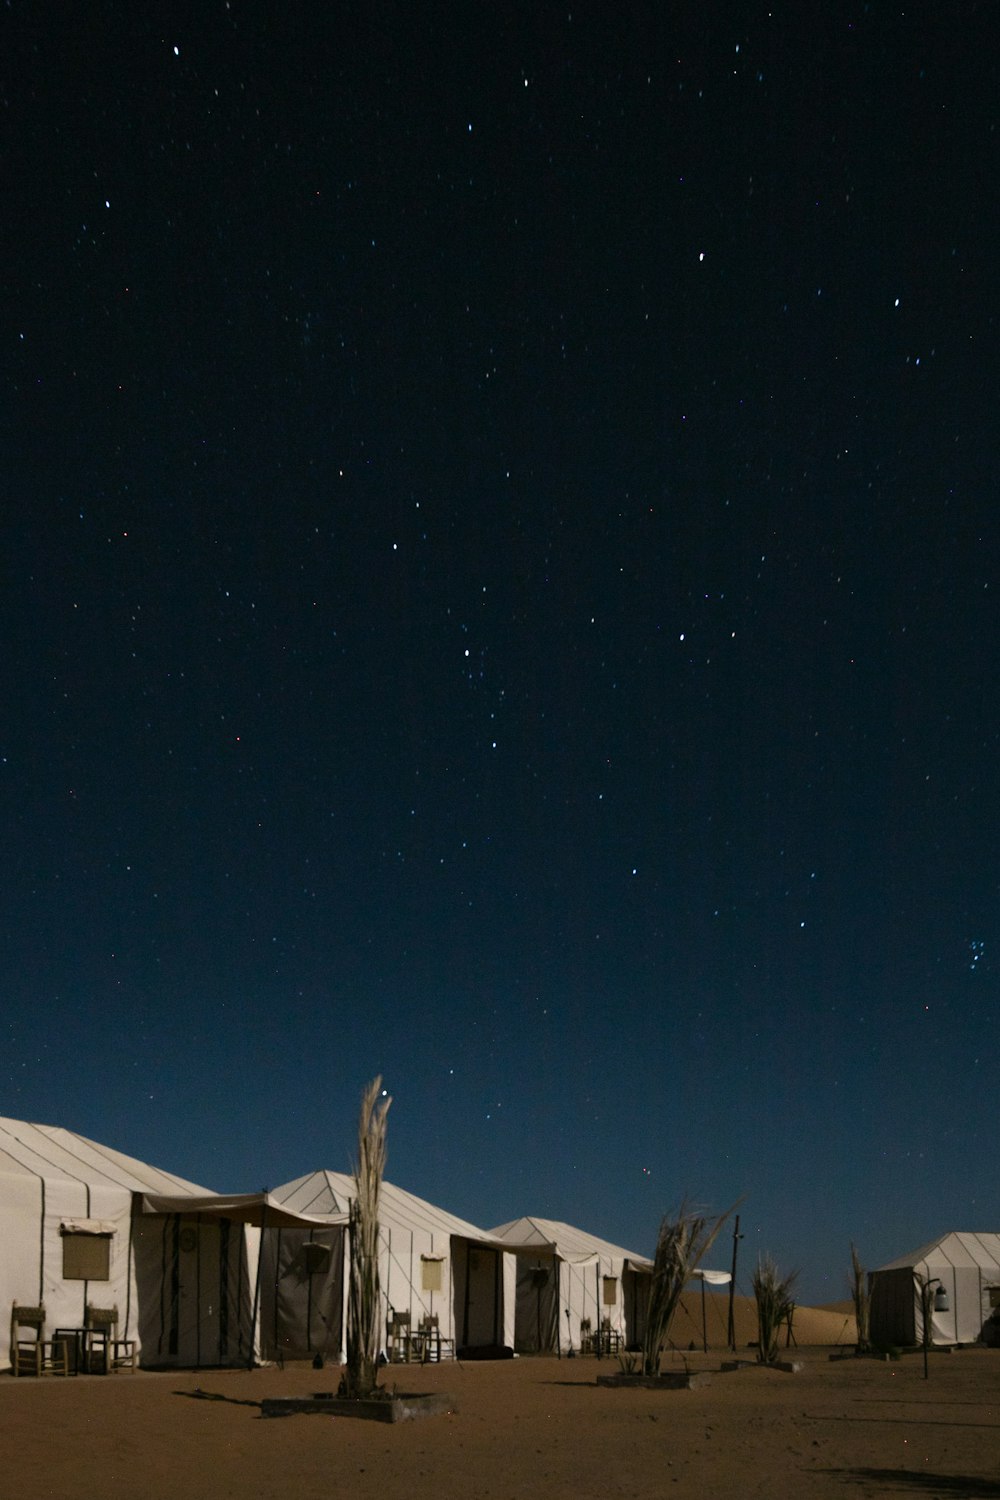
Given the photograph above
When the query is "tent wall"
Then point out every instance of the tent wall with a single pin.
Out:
(32, 1251)
(302, 1293)
(509, 1299)
(554, 1296)
(302, 1310)
(196, 1289)
(592, 1289)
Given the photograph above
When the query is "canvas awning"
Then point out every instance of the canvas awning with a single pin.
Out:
(713, 1278)
(244, 1208)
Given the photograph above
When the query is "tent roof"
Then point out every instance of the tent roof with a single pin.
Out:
(957, 1248)
(245, 1208)
(326, 1193)
(564, 1240)
(51, 1153)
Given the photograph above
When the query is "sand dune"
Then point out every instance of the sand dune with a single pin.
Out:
(810, 1325)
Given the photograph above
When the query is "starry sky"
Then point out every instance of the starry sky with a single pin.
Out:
(498, 588)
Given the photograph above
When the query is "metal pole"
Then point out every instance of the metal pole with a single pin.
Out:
(732, 1287)
(704, 1324)
(925, 1304)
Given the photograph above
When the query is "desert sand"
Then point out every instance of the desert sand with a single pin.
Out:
(521, 1428)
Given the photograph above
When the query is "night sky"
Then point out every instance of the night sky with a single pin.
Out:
(499, 588)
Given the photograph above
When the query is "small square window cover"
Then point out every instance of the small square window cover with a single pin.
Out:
(86, 1257)
(430, 1273)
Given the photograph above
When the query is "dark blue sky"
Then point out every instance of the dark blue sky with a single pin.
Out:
(499, 588)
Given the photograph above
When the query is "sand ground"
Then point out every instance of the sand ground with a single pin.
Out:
(521, 1428)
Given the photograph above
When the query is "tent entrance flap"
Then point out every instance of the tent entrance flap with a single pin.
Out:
(302, 1293)
(536, 1316)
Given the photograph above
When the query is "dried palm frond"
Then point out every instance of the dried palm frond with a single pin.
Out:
(860, 1298)
(363, 1295)
(680, 1245)
(775, 1306)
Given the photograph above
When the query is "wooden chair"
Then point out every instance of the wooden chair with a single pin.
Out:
(31, 1353)
(431, 1345)
(399, 1343)
(105, 1350)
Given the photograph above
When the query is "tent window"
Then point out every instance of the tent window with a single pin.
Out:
(315, 1258)
(430, 1273)
(994, 1292)
(86, 1257)
(610, 1291)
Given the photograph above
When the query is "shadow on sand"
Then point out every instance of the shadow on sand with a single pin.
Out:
(964, 1485)
(200, 1395)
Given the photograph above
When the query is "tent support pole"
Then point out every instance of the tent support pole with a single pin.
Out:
(597, 1307)
(555, 1262)
(731, 1332)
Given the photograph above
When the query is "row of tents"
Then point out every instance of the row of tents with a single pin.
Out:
(208, 1279)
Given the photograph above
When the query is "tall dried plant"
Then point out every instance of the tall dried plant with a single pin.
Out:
(364, 1320)
(682, 1242)
(861, 1299)
(773, 1294)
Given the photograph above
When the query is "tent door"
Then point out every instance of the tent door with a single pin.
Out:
(536, 1316)
(483, 1298)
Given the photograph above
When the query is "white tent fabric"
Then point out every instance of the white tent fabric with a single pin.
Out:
(216, 1316)
(967, 1266)
(432, 1264)
(565, 1275)
(55, 1186)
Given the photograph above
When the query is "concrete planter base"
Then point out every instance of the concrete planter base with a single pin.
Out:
(786, 1366)
(671, 1380)
(379, 1409)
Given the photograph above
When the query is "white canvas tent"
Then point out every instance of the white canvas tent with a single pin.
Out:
(431, 1263)
(85, 1223)
(564, 1275)
(967, 1266)
(68, 1225)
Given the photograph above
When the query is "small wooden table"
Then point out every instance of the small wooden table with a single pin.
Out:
(75, 1340)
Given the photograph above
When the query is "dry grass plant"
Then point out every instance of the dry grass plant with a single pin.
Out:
(773, 1294)
(682, 1242)
(861, 1300)
(364, 1320)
